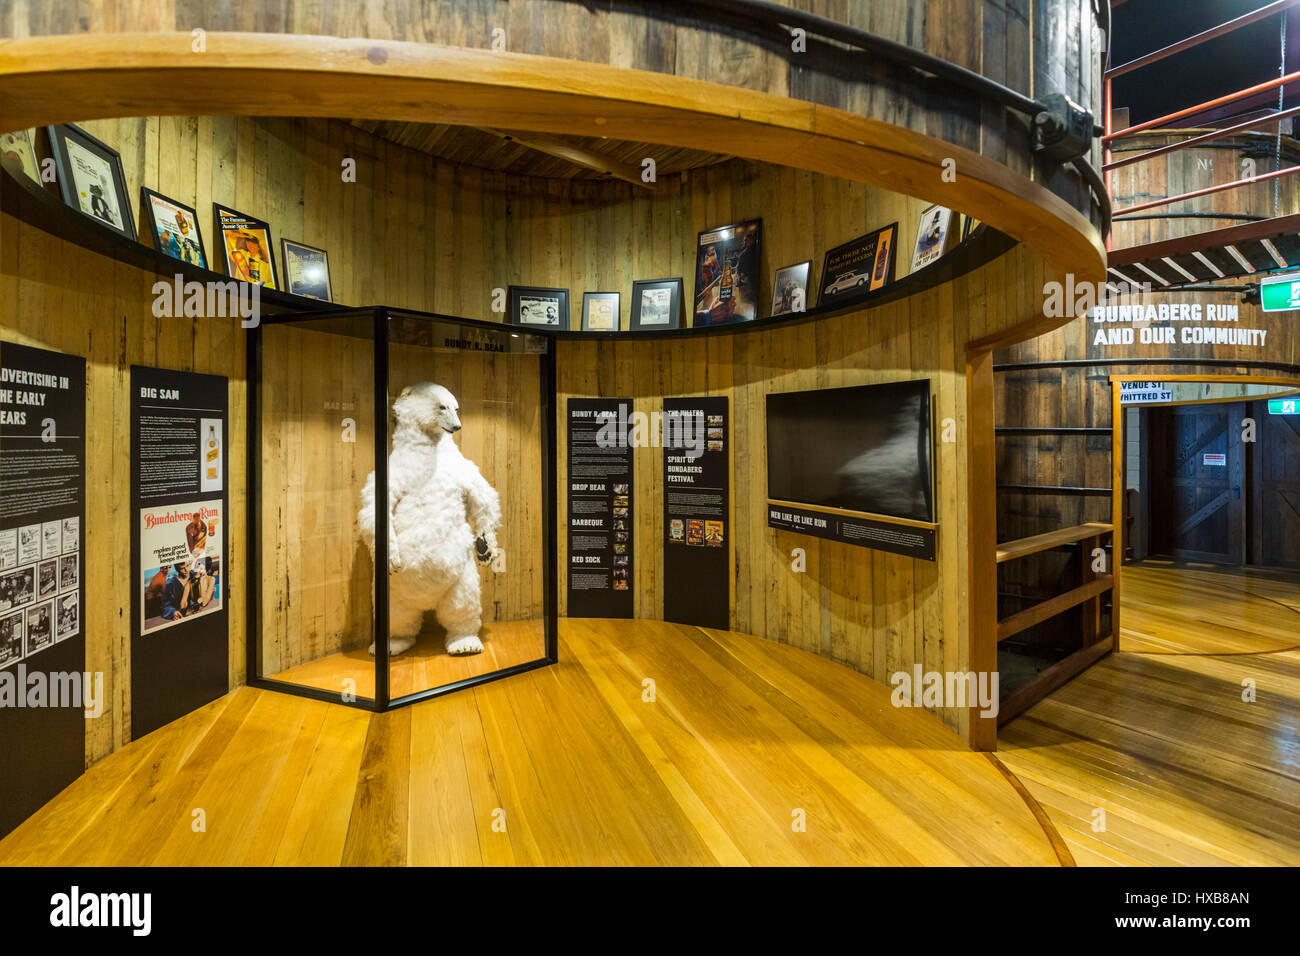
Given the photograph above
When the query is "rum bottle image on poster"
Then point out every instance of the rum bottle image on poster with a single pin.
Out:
(180, 548)
(179, 657)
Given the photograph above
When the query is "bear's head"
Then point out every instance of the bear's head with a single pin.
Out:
(429, 407)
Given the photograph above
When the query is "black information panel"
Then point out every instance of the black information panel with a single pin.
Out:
(179, 655)
(864, 532)
(697, 532)
(600, 508)
(45, 694)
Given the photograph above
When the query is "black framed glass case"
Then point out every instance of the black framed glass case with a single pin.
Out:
(402, 484)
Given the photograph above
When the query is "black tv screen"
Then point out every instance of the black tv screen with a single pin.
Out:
(865, 448)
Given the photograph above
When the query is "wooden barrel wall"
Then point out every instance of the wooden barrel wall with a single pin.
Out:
(1199, 167)
(420, 234)
(1032, 46)
(874, 611)
(431, 235)
(1080, 397)
(413, 232)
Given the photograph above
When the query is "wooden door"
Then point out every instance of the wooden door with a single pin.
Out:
(1196, 489)
(1275, 497)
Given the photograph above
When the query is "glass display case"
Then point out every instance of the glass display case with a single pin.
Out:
(401, 484)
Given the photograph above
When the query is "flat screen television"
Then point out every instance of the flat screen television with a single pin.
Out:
(865, 448)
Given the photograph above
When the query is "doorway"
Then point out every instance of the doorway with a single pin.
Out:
(1213, 481)
(1196, 469)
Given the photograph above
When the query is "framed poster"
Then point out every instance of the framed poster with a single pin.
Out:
(18, 153)
(656, 304)
(600, 311)
(306, 270)
(246, 247)
(91, 178)
(933, 236)
(534, 305)
(174, 227)
(859, 266)
(726, 273)
(790, 288)
(968, 225)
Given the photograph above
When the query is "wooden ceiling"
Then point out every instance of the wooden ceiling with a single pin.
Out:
(540, 154)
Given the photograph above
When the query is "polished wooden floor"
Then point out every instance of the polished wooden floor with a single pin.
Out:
(649, 743)
(426, 665)
(1158, 736)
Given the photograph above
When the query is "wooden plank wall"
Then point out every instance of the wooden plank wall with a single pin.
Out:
(1199, 167)
(413, 232)
(1038, 47)
(873, 611)
(410, 233)
(56, 296)
(1080, 397)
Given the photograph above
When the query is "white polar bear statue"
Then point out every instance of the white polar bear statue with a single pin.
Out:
(442, 515)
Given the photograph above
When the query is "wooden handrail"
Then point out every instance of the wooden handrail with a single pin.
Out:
(1024, 620)
(1010, 550)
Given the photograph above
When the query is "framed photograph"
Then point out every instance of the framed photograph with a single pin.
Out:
(17, 588)
(857, 267)
(47, 578)
(306, 270)
(535, 306)
(69, 571)
(600, 311)
(40, 627)
(246, 247)
(656, 304)
(67, 612)
(726, 273)
(18, 153)
(934, 235)
(11, 638)
(91, 178)
(174, 227)
(790, 288)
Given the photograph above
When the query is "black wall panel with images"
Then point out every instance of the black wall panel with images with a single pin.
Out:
(180, 526)
(45, 694)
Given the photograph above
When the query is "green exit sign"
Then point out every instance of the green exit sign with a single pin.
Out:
(1284, 406)
(1280, 293)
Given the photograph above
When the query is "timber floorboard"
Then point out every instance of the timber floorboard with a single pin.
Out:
(1159, 737)
(649, 743)
(426, 665)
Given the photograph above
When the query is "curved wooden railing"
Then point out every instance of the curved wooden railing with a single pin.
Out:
(65, 79)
